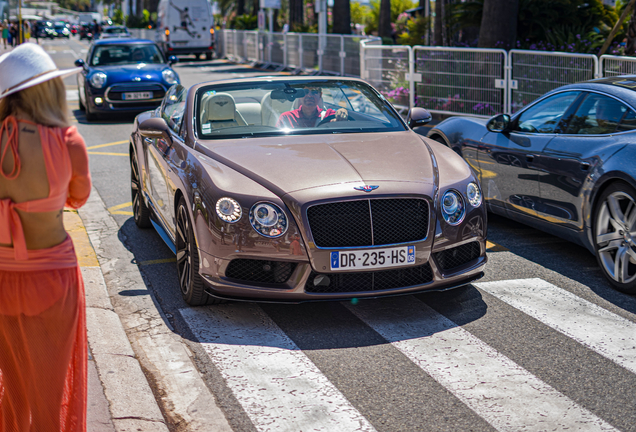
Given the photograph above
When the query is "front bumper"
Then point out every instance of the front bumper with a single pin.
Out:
(112, 100)
(441, 271)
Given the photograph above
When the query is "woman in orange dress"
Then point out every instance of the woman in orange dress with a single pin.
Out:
(44, 166)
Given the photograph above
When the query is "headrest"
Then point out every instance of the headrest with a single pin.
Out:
(608, 109)
(220, 107)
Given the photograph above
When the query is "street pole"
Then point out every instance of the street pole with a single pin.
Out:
(270, 19)
(20, 39)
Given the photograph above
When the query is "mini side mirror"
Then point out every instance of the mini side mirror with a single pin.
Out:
(80, 63)
(155, 127)
(418, 117)
(498, 123)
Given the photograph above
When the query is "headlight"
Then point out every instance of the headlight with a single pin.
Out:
(452, 207)
(228, 210)
(169, 76)
(98, 79)
(474, 194)
(268, 219)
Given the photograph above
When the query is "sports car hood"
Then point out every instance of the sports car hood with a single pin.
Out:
(307, 161)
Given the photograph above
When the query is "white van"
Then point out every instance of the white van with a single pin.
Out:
(185, 27)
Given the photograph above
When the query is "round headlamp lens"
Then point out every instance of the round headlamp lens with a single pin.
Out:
(268, 219)
(228, 210)
(452, 207)
(474, 194)
(98, 79)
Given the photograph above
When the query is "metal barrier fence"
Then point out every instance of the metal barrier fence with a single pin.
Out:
(467, 81)
(610, 65)
(535, 73)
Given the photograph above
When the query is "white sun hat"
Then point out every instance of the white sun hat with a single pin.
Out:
(26, 66)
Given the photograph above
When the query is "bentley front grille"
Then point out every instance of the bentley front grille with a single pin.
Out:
(334, 283)
(368, 222)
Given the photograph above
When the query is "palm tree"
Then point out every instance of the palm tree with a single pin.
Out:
(341, 17)
(499, 24)
(296, 14)
(384, 27)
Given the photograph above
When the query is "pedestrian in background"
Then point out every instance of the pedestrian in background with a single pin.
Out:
(10, 38)
(5, 33)
(43, 167)
(13, 31)
(26, 31)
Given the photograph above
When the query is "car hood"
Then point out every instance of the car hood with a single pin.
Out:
(295, 163)
(143, 71)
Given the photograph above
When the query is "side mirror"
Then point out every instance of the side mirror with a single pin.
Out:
(155, 127)
(172, 60)
(418, 117)
(498, 123)
(80, 63)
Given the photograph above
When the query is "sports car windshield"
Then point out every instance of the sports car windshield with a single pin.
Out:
(112, 55)
(267, 108)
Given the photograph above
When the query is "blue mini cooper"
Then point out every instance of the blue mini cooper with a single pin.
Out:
(123, 75)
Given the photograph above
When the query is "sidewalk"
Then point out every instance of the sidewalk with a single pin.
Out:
(133, 406)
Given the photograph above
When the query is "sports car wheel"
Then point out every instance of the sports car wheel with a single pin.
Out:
(190, 280)
(141, 212)
(615, 236)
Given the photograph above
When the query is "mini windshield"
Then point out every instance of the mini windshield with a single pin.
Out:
(270, 108)
(110, 55)
(115, 30)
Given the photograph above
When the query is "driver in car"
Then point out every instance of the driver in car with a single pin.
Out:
(309, 113)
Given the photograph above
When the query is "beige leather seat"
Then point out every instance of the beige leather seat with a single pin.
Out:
(271, 109)
(219, 111)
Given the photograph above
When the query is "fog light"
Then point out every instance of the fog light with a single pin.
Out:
(99, 101)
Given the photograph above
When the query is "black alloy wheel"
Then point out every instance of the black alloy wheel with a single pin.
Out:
(190, 281)
(141, 212)
(615, 236)
(90, 115)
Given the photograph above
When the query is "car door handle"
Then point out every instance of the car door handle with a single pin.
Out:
(529, 158)
(585, 166)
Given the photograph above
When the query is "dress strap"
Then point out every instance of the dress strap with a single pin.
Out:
(11, 228)
(12, 143)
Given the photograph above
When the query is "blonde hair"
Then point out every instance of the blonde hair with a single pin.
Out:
(45, 103)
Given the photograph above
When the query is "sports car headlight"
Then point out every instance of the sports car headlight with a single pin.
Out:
(452, 207)
(268, 219)
(169, 76)
(473, 194)
(98, 79)
(228, 210)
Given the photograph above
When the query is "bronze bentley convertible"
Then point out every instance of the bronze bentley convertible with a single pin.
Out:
(300, 189)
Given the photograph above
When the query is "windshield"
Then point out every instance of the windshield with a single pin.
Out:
(116, 30)
(108, 55)
(269, 108)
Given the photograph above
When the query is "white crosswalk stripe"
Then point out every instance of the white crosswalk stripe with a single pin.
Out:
(501, 392)
(598, 329)
(278, 386)
(281, 389)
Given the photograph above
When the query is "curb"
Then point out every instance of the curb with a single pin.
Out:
(132, 405)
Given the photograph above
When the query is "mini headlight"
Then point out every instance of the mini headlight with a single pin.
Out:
(228, 210)
(169, 76)
(452, 207)
(98, 79)
(474, 194)
(268, 219)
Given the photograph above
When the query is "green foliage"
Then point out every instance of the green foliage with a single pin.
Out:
(359, 12)
(118, 17)
(244, 22)
(397, 7)
(415, 33)
(133, 21)
(76, 5)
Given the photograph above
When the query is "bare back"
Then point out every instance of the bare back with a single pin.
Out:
(41, 229)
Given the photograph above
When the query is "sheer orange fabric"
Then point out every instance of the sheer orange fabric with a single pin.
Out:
(43, 346)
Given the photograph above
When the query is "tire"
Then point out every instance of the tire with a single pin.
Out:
(208, 56)
(90, 115)
(81, 104)
(141, 212)
(615, 236)
(190, 281)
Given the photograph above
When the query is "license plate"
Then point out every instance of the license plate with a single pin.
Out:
(137, 95)
(372, 258)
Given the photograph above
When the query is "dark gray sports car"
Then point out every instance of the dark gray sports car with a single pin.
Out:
(298, 189)
(565, 164)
